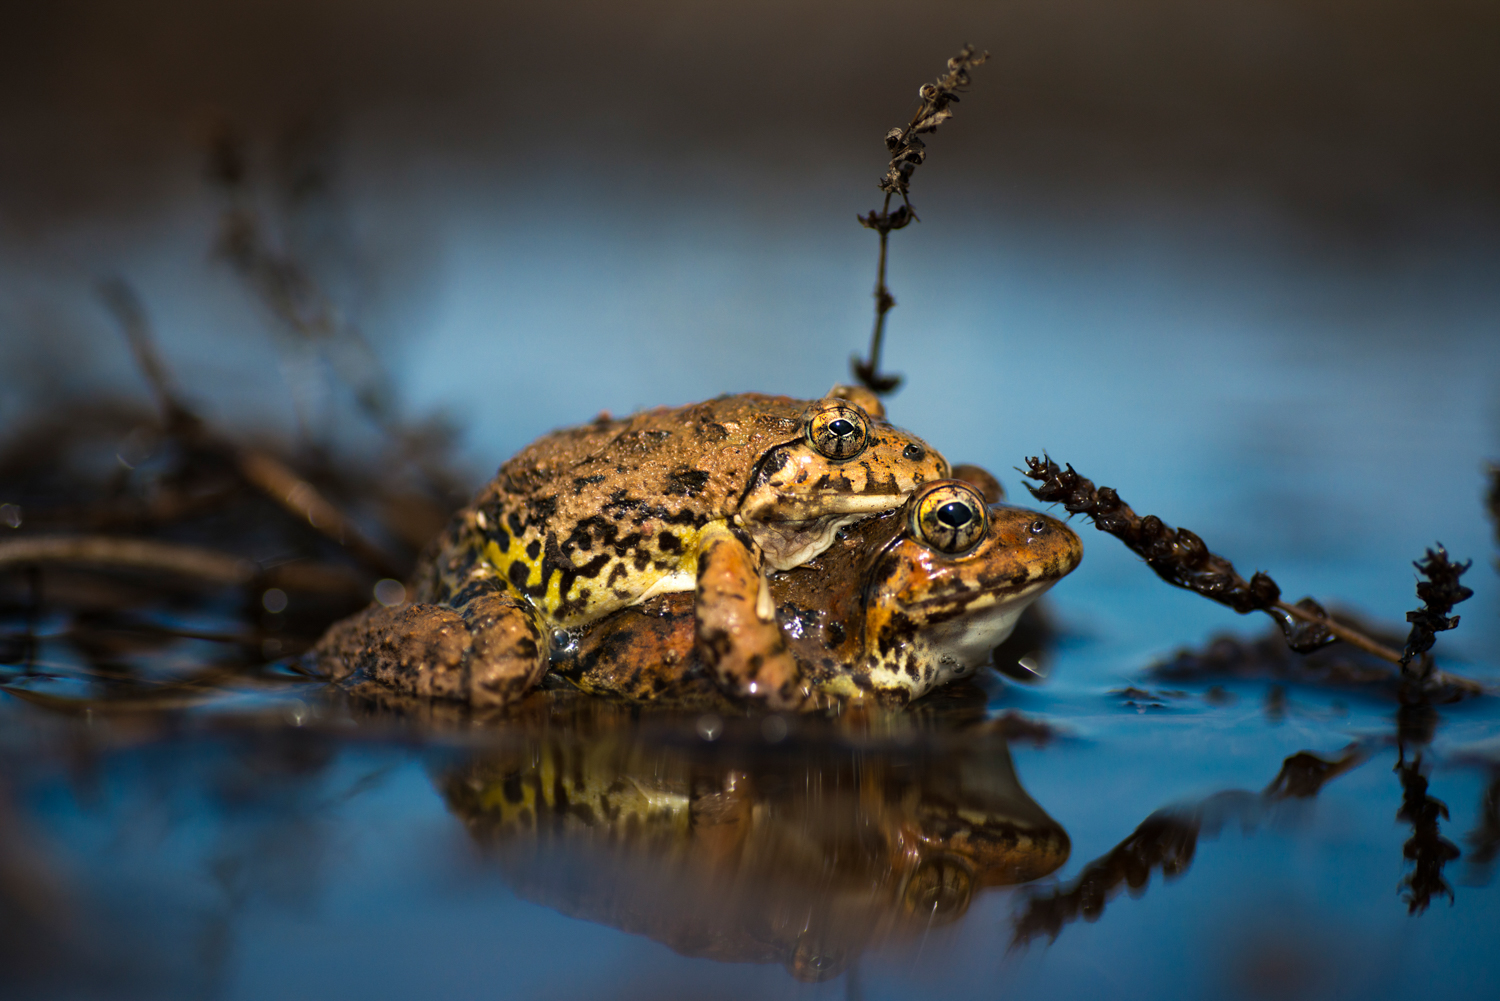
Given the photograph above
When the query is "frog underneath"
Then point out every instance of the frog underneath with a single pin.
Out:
(586, 521)
(900, 604)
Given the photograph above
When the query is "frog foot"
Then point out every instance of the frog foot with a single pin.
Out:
(738, 637)
(487, 652)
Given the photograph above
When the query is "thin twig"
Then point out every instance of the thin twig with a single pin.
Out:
(133, 554)
(259, 468)
(1349, 635)
(907, 153)
(170, 557)
(1182, 559)
(277, 481)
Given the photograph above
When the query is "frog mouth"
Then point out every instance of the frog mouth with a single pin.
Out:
(788, 544)
(801, 511)
(968, 626)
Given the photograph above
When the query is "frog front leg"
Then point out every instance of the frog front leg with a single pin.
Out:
(738, 637)
(488, 651)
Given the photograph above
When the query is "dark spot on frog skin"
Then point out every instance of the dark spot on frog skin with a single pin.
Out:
(543, 508)
(511, 788)
(772, 463)
(835, 633)
(895, 633)
(502, 539)
(514, 521)
(579, 482)
(518, 574)
(686, 482)
(533, 550)
(712, 431)
(668, 543)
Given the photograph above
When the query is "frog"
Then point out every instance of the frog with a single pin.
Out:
(901, 604)
(705, 499)
(803, 846)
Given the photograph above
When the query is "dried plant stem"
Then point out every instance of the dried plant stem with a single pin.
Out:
(907, 153)
(1183, 560)
(134, 554)
(259, 468)
(883, 302)
(1349, 635)
(277, 481)
(207, 565)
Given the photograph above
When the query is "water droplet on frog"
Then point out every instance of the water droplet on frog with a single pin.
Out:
(709, 727)
(390, 592)
(564, 641)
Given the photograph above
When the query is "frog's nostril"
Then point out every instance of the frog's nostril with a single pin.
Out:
(914, 453)
(1038, 527)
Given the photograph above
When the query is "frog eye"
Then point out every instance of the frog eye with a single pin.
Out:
(950, 517)
(838, 432)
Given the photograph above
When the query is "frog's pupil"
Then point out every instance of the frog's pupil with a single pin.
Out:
(843, 427)
(955, 514)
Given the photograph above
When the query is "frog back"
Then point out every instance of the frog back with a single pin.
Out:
(587, 520)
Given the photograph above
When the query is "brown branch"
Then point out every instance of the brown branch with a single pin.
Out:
(277, 481)
(132, 554)
(209, 565)
(259, 468)
(1349, 635)
(1183, 560)
(907, 153)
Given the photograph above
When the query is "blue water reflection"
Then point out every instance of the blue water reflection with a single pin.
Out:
(1317, 411)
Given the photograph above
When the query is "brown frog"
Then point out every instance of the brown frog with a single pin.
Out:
(900, 604)
(586, 521)
(803, 846)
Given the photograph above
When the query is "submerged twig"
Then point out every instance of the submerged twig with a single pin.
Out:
(907, 153)
(1182, 559)
(1428, 850)
(1166, 841)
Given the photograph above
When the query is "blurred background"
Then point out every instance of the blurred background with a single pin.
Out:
(1237, 259)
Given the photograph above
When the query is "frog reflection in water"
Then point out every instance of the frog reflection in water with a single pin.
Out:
(806, 851)
(901, 603)
(704, 499)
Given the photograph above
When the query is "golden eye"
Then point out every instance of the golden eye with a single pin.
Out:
(950, 516)
(838, 432)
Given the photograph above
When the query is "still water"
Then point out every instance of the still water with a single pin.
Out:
(1316, 411)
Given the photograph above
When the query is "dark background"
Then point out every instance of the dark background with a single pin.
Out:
(1371, 118)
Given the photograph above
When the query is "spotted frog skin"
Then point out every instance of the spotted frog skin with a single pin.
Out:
(900, 604)
(586, 521)
(806, 853)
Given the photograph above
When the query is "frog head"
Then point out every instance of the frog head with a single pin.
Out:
(846, 464)
(949, 587)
